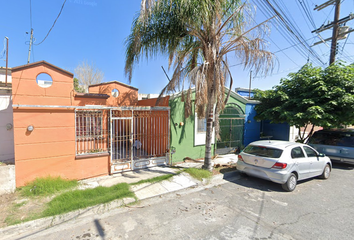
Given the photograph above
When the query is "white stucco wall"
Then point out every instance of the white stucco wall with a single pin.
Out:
(7, 179)
(6, 129)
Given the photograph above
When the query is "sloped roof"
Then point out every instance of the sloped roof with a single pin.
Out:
(41, 63)
(92, 95)
(232, 94)
(106, 83)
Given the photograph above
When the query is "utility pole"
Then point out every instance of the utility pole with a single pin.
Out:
(7, 59)
(30, 46)
(249, 91)
(332, 57)
(336, 33)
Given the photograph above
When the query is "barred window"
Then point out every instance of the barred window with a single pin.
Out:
(201, 125)
(89, 132)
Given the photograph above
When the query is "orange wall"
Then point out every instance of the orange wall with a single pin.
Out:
(152, 102)
(82, 101)
(50, 148)
(25, 89)
(128, 96)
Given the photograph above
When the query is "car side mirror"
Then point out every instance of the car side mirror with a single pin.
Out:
(321, 155)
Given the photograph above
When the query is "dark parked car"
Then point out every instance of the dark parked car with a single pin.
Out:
(337, 144)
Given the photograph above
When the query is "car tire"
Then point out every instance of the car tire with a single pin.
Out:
(290, 184)
(326, 172)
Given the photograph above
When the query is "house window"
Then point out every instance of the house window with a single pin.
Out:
(201, 125)
(89, 132)
(200, 128)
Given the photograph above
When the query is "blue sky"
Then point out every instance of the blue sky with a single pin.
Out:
(95, 30)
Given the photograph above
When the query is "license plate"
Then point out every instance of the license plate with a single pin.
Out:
(331, 151)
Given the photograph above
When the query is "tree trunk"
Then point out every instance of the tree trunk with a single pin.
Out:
(209, 138)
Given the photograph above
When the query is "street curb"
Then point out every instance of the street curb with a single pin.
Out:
(10, 232)
(18, 230)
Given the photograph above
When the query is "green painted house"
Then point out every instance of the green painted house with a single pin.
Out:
(188, 134)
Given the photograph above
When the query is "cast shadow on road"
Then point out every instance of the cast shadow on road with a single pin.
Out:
(99, 228)
(256, 183)
(252, 182)
(342, 166)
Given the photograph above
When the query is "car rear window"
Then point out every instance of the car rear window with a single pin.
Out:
(263, 151)
(333, 138)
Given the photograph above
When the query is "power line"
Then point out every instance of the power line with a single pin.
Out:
(287, 29)
(280, 50)
(274, 74)
(290, 27)
(307, 13)
(53, 23)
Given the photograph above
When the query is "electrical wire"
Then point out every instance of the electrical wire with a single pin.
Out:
(280, 50)
(274, 74)
(288, 29)
(53, 23)
(307, 13)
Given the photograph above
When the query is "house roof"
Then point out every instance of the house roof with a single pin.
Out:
(243, 89)
(232, 94)
(92, 95)
(3, 70)
(106, 83)
(41, 63)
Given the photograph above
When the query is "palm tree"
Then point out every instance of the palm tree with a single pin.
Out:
(197, 36)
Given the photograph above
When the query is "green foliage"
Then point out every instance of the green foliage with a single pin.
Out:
(322, 97)
(198, 173)
(197, 36)
(77, 87)
(73, 200)
(46, 186)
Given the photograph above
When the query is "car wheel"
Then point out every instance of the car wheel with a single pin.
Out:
(326, 172)
(290, 185)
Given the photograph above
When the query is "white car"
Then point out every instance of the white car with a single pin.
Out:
(283, 162)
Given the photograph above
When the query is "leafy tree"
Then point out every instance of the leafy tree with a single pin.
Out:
(197, 36)
(312, 96)
(88, 74)
(77, 87)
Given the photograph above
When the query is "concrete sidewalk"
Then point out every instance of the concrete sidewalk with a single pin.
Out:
(147, 190)
(142, 191)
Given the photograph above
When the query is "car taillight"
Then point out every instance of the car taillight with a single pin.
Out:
(280, 165)
(239, 157)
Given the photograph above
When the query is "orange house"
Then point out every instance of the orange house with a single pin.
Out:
(59, 132)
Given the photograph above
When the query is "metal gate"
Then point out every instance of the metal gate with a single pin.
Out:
(139, 138)
(231, 122)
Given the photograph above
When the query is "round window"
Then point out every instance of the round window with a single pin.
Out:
(115, 92)
(44, 80)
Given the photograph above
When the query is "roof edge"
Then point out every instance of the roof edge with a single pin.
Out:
(92, 95)
(105, 83)
(35, 64)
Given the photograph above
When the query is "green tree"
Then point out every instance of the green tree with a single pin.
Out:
(77, 87)
(197, 36)
(312, 96)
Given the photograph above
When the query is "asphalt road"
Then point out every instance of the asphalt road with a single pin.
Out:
(241, 208)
